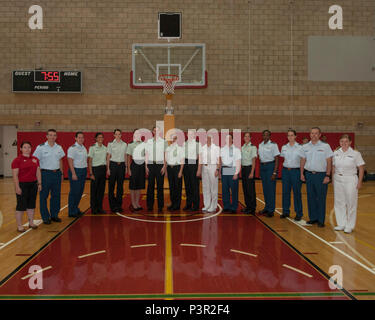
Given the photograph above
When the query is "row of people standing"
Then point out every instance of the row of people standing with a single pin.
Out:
(311, 162)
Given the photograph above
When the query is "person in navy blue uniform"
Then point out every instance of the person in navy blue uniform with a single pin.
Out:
(50, 156)
(269, 163)
(317, 163)
(77, 159)
(292, 153)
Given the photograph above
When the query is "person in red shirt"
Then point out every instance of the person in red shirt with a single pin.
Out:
(27, 182)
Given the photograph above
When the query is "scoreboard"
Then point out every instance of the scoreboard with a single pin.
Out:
(47, 81)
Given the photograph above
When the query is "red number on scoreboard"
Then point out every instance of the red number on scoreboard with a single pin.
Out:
(56, 76)
(45, 75)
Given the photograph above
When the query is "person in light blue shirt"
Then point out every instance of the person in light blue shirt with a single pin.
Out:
(317, 164)
(292, 153)
(269, 163)
(230, 158)
(77, 159)
(50, 156)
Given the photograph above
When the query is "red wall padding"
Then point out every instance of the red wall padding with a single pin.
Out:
(66, 139)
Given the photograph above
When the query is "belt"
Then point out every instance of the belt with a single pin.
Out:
(314, 172)
(48, 170)
(345, 175)
(267, 162)
(118, 163)
(291, 168)
(173, 165)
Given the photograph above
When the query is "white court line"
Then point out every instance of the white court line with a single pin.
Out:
(328, 244)
(242, 252)
(192, 245)
(337, 242)
(34, 273)
(347, 244)
(22, 234)
(297, 270)
(144, 245)
(172, 221)
(91, 254)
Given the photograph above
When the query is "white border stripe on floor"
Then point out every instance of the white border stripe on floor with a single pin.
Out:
(242, 252)
(91, 254)
(192, 245)
(144, 245)
(297, 270)
(34, 273)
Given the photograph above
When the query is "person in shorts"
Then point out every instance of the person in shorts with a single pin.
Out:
(27, 181)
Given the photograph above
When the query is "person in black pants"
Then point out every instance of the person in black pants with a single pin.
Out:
(190, 173)
(97, 168)
(175, 162)
(155, 168)
(116, 155)
(248, 157)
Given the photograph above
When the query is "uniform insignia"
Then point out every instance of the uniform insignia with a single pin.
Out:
(34, 160)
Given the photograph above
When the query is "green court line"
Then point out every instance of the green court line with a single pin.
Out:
(363, 293)
(177, 296)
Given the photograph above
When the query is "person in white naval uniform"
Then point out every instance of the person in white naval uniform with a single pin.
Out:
(346, 183)
(209, 169)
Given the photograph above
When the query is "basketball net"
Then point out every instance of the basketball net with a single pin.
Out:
(169, 83)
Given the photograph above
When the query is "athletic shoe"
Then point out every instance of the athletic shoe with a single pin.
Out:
(48, 221)
(297, 219)
(283, 216)
(338, 228)
(320, 225)
(348, 230)
(56, 219)
(269, 214)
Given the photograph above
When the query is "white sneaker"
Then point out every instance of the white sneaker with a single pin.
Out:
(338, 228)
(348, 230)
(204, 210)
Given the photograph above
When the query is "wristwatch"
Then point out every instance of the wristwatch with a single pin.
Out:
(328, 176)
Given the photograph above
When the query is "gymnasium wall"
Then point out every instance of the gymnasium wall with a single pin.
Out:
(256, 63)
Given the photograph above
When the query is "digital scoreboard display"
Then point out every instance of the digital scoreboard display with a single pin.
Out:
(47, 81)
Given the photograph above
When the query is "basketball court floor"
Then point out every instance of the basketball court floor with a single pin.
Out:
(187, 256)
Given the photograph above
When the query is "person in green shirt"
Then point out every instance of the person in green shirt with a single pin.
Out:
(136, 170)
(248, 157)
(97, 168)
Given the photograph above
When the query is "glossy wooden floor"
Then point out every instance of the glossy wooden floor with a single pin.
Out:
(355, 252)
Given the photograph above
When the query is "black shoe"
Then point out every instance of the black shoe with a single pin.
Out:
(114, 210)
(269, 214)
(169, 208)
(138, 209)
(245, 210)
(193, 209)
(320, 225)
(283, 216)
(121, 210)
(263, 211)
(72, 216)
(160, 210)
(233, 211)
(150, 209)
(186, 208)
(311, 221)
(56, 219)
(101, 211)
(227, 210)
(94, 211)
(297, 219)
(252, 212)
(47, 222)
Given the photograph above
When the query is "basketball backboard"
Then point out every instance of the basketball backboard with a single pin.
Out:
(187, 60)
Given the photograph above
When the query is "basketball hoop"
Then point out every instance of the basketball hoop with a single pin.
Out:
(169, 82)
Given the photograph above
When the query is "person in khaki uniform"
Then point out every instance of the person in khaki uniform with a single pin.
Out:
(136, 170)
(116, 166)
(97, 167)
(248, 157)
